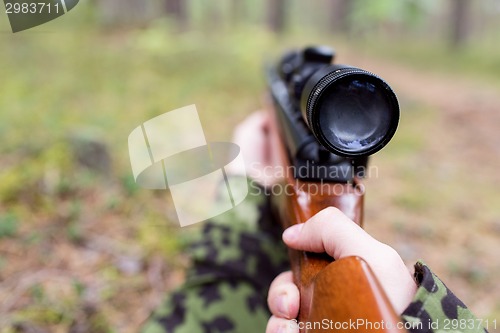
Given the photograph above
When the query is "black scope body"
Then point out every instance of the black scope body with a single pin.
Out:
(351, 112)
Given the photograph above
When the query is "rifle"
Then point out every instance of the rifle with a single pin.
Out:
(327, 119)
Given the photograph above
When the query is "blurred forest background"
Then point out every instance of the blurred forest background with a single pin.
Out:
(82, 249)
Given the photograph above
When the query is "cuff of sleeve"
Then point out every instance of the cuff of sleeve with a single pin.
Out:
(435, 307)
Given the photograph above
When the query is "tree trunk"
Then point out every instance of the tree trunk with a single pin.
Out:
(459, 22)
(238, 12)
(212, 16)
(123, 12)
(276, 19)
(178, 10)
(339, 17)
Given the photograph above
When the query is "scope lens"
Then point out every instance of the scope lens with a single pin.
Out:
(353, 114)
(350, 111)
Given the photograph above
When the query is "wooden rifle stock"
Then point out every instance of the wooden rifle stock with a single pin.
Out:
(335, 295)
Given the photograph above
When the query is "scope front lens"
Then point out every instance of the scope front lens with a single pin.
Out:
(354, 114)
(350, 111)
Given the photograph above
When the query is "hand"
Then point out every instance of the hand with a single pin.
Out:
(332, 232)
(252, 136)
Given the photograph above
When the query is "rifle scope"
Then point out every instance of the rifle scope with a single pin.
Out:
(350, 111)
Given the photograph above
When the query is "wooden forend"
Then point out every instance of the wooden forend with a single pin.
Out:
(332, 292)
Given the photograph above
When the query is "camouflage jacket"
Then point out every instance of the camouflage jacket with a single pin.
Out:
(237, 255)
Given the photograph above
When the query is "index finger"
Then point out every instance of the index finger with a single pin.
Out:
(329, 231)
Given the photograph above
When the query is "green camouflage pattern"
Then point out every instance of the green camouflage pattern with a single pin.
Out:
(237, 255)
(436, 309)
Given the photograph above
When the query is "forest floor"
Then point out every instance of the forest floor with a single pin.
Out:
(83, 249)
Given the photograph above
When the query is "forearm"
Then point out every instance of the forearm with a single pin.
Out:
(234, 256)
(435, 308)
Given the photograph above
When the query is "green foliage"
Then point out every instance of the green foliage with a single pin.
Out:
(36, 173)
(368, 14)
(481, 60)
(37, 293)
(8, 225)
(153, 234)
(86, 78)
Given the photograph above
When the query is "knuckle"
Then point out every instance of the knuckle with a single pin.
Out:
(329, 212)
(391, 254)
(327, 216)
(332, 210)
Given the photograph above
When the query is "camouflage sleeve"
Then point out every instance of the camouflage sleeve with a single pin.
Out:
(234, 259)
(436, 309)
